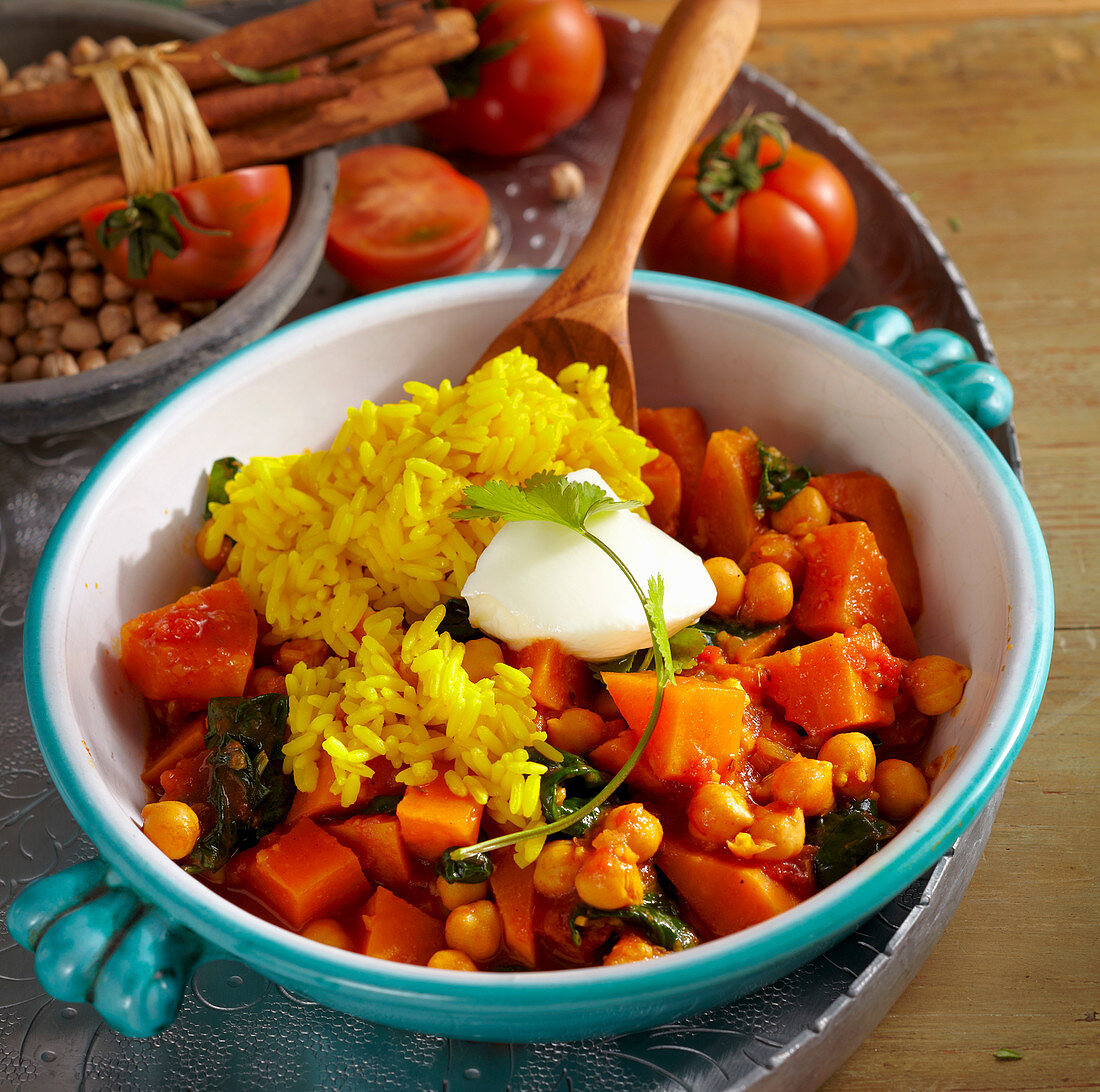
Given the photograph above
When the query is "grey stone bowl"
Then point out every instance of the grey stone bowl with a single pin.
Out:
(28, 30)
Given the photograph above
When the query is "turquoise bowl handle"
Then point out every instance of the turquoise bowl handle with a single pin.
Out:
(943, 357)
(95, 940)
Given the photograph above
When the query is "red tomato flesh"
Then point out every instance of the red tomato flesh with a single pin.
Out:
(195, 649)
(401, 215)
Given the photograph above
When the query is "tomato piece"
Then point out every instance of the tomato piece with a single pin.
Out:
(404, 214)
(788, 231)
(537, 72)
(233, 224)
(195, 649)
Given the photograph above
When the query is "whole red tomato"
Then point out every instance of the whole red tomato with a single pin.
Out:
(537, 71)
(752, 209)
(403, 214)
(202, 240)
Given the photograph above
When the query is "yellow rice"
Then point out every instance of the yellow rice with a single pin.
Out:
(355, 545)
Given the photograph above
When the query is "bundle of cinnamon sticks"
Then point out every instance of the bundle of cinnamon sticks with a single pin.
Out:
(358, 66)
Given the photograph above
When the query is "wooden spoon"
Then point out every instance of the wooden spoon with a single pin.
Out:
(582, 315)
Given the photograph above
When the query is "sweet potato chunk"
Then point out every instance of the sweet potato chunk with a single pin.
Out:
(398, 931)
(432, 819)
(723, 520)
(558, 680)
(662, 475)
(680, 432)
(514, 891)
(376, 840)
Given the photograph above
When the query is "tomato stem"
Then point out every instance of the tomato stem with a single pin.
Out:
(723, 177)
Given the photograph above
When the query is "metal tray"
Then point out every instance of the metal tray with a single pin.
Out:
(237, 1030)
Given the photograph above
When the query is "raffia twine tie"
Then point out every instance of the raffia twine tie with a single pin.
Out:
(175, 146)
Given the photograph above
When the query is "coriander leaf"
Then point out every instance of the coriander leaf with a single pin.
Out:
(845, 839)
(780, 479)
(472, 868)
(546, 498)
(221, 473)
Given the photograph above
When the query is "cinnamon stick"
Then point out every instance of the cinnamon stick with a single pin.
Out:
(35, 209)
(452, 33)
(267, 42)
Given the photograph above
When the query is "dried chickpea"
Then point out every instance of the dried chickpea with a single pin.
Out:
(115, 319)
(311, 651)
(780, 549)
(639, 826)
(806, 783)
(47, 340)
(806, 511)
(852, 755)
(80, 333)
(475, 929)
(161, 328)
(632, 948)
(556, 868)
(23, 262)
(172, 826)
(85, 289)
(565, 181)
(718, 813)
(58, 363)
(576, 730)
(53, 259)
(769, 594)
(7, 351)
(449, 959)
(15, 289)
(126, 346)
(481, 657)
(120, 46)
(901, 787)
(56, 59)
(85, 50)
(199, 308)
(778, 833)
(115, 288)
(935, 683)
(26, 367)
(13, 319)
(25, 342)
(454, 895)
(329, 931)
(58, 312)
(144, 307)
(91, 359)
(35, 313)
(729, 581)
(609, 880)
(81, 259)
(49, 285)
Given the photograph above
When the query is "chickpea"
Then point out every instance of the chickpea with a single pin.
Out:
(632, 948)
(901, 787)
(58, 363)
(23, 262)
(454, 895)
(5, 373)
(481, 657)
(769, 595)
(780, 549)
(91, 359)
(53, 259)
(144, 306)
(13, 319)
(806, 783)
(806, 511)
(311, 651)
(777, 834)
(172, 826)
(79, 333)
(329, 931)
(935, 683)
(49, 285)
(491, 243)
(115, 289)
(115, 319)
(565, 182)
(25, 342)
(852, 755)
(35, 313)
(85, 50)
(81, 259)
(15, 289)
(475, 929)
(56, 59)
(47, 340)
(556, 868)
(199, 308)
(85, 289)
(608, 881)
(58, 312)
(26, 367)
(641, 829)
(126, 346)
(576, 730)
(161, 328)
(120, 46)
(718, 813)
(7, 351)
(729, 581)
(265, 680)
(449, 959)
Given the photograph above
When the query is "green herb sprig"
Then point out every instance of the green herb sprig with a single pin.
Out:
(550, 498)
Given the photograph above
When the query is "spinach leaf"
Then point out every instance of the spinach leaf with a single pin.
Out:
(456, 621)
(223, 471)
(381, 805)
(656, 918)
(845, 839)
(476, 868)
(571, 769)
(249, 792)
(780, 480)
(712, 627)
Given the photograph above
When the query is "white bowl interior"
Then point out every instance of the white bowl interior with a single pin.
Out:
(800, 385)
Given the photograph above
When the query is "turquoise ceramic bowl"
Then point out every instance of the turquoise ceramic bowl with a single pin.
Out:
(127, 936)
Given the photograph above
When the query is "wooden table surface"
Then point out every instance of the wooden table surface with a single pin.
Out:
(989, 114)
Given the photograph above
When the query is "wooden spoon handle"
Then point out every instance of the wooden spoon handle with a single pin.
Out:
(694, 60)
